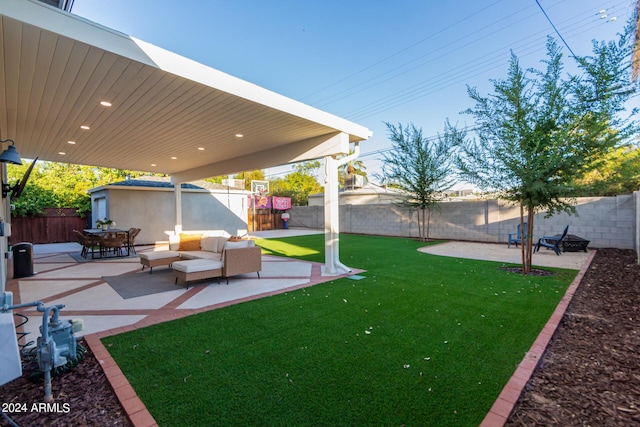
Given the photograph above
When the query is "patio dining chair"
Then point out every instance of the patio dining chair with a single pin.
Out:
(552, 242)
(113, 242)
(133, 233)
(87, 242)
(516, 237)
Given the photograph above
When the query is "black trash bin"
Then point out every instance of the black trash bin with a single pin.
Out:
(22, 260)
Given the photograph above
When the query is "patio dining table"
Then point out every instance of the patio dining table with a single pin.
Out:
(99, 232)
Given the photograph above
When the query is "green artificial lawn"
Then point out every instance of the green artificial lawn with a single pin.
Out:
(421, 340)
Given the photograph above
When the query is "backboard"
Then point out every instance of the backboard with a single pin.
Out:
(260, 187)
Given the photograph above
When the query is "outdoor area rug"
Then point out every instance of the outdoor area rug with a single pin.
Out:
(142, 283)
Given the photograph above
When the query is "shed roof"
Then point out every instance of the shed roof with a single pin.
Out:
(164, 182)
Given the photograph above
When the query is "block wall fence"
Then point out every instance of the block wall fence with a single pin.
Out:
(608, 222)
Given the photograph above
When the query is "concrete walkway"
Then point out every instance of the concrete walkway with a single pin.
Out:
(499, 252)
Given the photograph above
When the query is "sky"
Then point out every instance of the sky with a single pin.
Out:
(369, 61)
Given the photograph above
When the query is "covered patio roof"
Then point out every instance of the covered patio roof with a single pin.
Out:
(168, 114)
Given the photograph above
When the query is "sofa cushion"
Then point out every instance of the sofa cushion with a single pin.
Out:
(196, 265)
(221, 242)
(217, 256)
(152, 256)
(239, 244)
(189, 242)
(209, 243)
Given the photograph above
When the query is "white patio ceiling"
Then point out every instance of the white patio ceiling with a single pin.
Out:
(168, 115)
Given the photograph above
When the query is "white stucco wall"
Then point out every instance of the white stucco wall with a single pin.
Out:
(153, 210)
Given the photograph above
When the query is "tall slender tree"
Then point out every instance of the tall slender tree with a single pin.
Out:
(421, 167)
(539, 130)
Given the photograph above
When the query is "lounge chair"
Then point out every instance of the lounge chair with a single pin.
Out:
(516, 237)
(552, 242)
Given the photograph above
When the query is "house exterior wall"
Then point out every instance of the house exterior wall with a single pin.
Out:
(153, 210)
(605, 221)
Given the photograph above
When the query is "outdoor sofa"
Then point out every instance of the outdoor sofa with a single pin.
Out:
(195, 256)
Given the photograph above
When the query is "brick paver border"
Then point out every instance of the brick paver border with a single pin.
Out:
(501, 409)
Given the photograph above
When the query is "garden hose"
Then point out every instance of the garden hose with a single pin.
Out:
(38, 375)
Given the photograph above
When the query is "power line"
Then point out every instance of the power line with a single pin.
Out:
(473, 67)
(555, 29)
(400, 51)
(448, 79)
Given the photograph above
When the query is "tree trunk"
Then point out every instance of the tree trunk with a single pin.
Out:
(526, 235)
(529, 242)
(428, 222)
(523, 241)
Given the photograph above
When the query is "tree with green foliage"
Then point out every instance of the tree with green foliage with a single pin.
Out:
(298, 184)
(618, 172)
(354, 167)
(248, 176)
(539, 131)
(422, 168)
(61, 185)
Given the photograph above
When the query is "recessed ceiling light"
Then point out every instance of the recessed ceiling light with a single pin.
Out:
(201, 148)
(174, 158)
(153, 164)
(71, 142)
(85, 127)
(239, 135)
(62, 153)
(105, 103)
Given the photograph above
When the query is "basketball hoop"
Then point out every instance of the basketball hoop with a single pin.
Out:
(260, 187)
(259, 191)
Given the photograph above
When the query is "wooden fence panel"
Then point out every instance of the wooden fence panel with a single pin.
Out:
(265, 220)
(52, 226)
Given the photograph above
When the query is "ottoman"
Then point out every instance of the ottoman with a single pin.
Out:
(196, 269)
(153, 259)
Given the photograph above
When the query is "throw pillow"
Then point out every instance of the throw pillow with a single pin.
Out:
(189, 242)
(209, 243)
(221, 240)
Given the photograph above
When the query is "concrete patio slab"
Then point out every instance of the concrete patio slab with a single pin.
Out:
(103, 297)
(35, 290)
(499, 252)
(80, 288)
(216, 294)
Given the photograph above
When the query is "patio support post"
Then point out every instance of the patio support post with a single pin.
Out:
(177, 191)
(332, 264)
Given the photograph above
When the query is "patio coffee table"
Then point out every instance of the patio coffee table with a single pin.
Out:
(154, 259)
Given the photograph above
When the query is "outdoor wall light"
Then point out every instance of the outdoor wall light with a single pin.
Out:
(10, 155)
